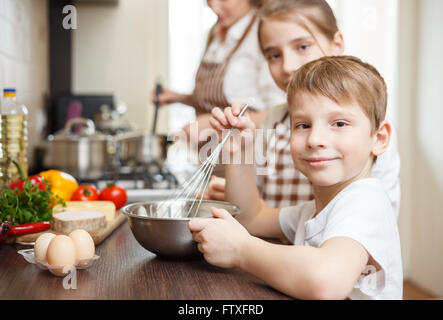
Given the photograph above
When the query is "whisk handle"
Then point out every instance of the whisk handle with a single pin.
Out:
(242, 112)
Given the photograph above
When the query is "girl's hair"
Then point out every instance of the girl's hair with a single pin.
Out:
(306, 13)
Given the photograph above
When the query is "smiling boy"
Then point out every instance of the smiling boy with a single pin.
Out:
(346, 241)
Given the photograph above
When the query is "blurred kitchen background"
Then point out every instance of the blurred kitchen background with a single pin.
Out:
(121, 48)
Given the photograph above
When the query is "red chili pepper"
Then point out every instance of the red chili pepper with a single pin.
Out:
(35, 180)
(26, 228)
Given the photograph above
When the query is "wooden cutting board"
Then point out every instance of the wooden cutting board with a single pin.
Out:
(98, 236)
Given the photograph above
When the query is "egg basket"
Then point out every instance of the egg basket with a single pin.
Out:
(80, 264)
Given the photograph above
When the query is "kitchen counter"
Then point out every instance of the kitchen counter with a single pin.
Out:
(125, 270)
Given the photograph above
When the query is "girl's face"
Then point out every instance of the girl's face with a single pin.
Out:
(287, 46)
(229, 11)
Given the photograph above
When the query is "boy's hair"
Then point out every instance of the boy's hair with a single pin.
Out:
(307, 13)
(343, 79)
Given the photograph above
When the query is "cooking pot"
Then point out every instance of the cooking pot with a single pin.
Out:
(141, 147)
(86, 154)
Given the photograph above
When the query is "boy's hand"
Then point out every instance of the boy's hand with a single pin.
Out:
(227, 119)
(221, 240)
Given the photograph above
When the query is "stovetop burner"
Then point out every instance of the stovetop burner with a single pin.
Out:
(151, 176)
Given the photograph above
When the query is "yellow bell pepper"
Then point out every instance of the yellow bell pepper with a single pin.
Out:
(61, 184)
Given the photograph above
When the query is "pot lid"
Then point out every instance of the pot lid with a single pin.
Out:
(78, 129)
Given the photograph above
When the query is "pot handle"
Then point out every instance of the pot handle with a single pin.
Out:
(88, 123)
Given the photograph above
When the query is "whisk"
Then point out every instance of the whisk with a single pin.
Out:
(194, 188)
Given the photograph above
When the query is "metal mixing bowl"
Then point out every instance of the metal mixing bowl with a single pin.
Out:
(169, 237)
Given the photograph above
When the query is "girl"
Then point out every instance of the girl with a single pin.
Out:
(291, 34)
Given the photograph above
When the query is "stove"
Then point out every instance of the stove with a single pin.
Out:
(152, 182)
(152, 176)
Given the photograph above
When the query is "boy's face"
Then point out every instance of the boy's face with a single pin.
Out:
(288, 46)
(330, 143)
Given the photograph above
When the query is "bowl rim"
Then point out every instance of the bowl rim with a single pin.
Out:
(124, 210)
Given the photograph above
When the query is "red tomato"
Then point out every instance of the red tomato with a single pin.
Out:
(85, 192)
(115, 194)
(35, 180)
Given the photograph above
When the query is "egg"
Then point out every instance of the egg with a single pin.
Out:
(61, 253)
(41, 246)
(84, 246)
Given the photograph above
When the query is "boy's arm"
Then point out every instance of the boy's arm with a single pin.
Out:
(328, 272)
(241, 189)
(256, 216)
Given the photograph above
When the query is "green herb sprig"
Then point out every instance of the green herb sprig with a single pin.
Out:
(29, 205)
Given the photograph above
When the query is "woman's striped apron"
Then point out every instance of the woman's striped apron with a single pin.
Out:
(208, 90)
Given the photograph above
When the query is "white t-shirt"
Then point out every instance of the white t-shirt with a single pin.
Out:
(362, 211)
(247, 78)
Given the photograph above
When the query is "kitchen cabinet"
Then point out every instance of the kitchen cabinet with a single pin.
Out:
(127, 271)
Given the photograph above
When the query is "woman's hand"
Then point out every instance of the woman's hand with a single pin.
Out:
(227, 119)
(165, 97)
(221, 240)
(168, 96)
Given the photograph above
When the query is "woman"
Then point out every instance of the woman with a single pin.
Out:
(232, 68)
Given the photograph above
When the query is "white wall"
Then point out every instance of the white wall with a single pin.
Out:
(189, 24)
(426, 259)
(407, 96)
(123, 48)
(24, 59)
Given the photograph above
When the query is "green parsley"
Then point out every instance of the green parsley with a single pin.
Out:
(29, 205)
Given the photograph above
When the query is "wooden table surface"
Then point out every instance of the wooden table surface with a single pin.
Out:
(125, 270)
